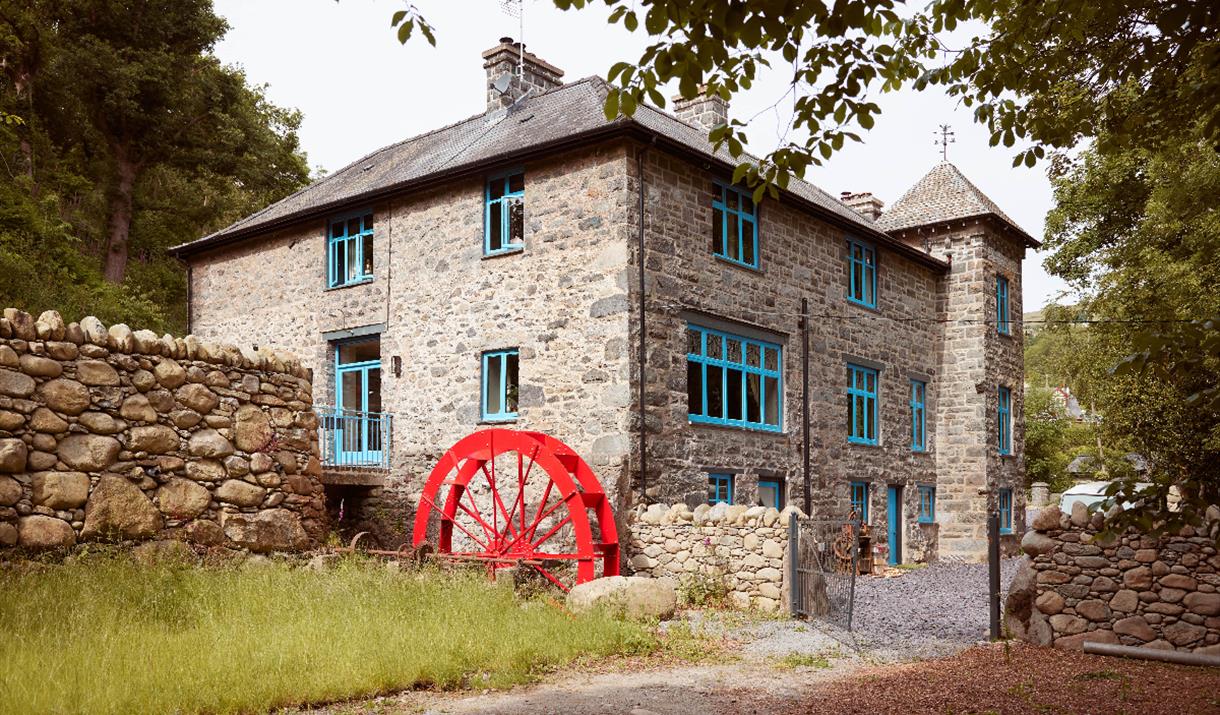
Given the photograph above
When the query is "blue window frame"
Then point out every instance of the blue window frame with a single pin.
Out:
(735, 225)
(1004, 502)
(859, 500)
(357, 419)
(771, 493)
(861, 273)
(1003, 320)
(349, 249)
(927, 504)
(1003, 414)
(919, 416)
(733, 381)
(861, 404)
(719, 488)
(500, 385)
(504, 213)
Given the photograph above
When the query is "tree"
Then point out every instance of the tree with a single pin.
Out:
(1047, 74)
(133, 138)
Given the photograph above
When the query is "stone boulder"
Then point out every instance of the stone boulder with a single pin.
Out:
(1035, 544)
(205, 533)
(40, 366)
(183, 499)
(15, 384)
(154, 439)
(169, 373)
(270, 530)
(630, 596)
(89, 452)
(45, 532)
(10, 491)
(61, 490)
(96, 372)
(65, 396)
(197, 397)
(235, 491)
(13, 453)
(1047, 519)
(44, 420)
(118, 509)
(138, 409)
(251, 428)
(209, 443)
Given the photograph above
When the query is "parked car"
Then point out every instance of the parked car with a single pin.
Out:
(1095, 492)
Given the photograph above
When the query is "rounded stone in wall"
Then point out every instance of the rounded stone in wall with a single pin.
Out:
(89, 452)
(44, 532)
(96, 372)
(197, 397)
(65, 396)
(183, 499)
(13, 453)
(40, 366)
(117, 508)
(101, 423)
(252, 428)
(154, 439)
(61, 490)
(10, 491)
(15, 384)
(209, 443)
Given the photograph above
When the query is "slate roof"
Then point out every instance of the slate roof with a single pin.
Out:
(544, 120)
(944, 194)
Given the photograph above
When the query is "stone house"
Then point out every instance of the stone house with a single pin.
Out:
(604, 281)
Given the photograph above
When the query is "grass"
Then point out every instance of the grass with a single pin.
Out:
(792, 661)
(108, 636)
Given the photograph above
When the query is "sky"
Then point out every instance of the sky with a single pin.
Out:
(340, 63)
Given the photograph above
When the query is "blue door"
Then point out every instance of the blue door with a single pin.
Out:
(893, 523)
(358, 428)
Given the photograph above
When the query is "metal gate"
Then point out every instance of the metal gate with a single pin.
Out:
(823, 561)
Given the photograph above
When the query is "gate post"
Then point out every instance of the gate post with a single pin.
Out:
(993, 572)
(794, 543)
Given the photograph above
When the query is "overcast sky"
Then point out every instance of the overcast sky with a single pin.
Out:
(359, 89)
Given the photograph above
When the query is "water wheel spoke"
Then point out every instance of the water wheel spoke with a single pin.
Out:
(497, 501)
(550, 577)
(553, 531)
(544, 556)
(488, 532)
(425, 498)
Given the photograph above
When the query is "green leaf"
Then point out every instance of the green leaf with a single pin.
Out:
(611, 106)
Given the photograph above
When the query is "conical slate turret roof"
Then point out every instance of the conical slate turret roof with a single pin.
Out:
(944, 194)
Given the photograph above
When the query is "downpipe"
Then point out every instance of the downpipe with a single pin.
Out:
(1140, 653)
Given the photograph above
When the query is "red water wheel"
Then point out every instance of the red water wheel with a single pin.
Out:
(509, 499)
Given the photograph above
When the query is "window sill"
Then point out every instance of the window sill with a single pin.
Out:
(776, 432)
(927, 522)
(874, 445)
(737, 264)
(865, 306)
(350, 284)
(497, 420)
(504, 252)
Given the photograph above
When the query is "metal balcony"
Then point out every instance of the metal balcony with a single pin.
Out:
(354, 439)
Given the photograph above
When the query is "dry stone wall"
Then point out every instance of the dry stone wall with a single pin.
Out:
(1135, 590)
(735, 547)
(120, 435)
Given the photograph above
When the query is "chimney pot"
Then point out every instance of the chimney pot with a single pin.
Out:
(536, 75)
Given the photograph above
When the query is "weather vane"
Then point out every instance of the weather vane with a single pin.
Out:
(944, 140)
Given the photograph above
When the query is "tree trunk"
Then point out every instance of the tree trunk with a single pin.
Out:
(120, 214)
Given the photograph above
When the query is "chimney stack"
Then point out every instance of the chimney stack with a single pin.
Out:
(503, 60)
(705, 111)
(863, 203)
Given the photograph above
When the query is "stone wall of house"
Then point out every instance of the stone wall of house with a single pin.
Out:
(110, 434)
(438, 303)
(738, 548)
(1077, 586)
(801, 256)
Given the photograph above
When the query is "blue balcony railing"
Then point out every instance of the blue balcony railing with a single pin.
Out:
(351, 438)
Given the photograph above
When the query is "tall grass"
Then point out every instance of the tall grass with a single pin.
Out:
(112, 637)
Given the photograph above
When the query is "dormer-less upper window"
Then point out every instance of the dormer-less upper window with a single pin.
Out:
(349, 249)
(861, 273)
(734, 225)
(504, 214)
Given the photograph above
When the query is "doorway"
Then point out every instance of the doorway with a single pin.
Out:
(893, 523)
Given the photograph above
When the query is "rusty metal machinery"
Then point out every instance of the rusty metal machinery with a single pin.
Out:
(510, 499)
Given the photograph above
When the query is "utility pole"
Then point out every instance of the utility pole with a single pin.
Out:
(805, 398)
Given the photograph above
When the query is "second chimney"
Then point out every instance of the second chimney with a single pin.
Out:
(863, 203)
(504, 60)
(705, 111)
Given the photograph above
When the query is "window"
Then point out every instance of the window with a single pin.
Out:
(861, 273)
(861, 405)
(504, 214)
(734, 381)
(1003, 321)
(735, 226)
(500, 385)
(771, 493)
(719, 488)
(356, 424)
(859, 500)
(1005, 506)
(349, 250)
(927, 504)
(919, 421)
(1003, 414)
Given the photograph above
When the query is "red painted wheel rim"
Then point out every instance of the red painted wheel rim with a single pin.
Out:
(543, 508)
